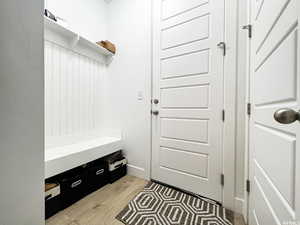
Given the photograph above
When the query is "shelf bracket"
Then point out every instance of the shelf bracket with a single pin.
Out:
(75, 41)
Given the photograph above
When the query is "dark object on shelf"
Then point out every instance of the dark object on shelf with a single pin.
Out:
(52, 199)
(108, 45)
(50, 15)
(97, 175)
(73, 186)
(117, 166)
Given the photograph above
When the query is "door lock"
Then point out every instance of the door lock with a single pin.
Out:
(155, 112)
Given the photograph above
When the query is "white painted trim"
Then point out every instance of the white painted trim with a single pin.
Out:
(230, 68)
(239, 205)
(149, 161)
(136, 171)
(246, 174)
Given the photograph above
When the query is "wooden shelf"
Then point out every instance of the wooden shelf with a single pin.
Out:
(68, 38)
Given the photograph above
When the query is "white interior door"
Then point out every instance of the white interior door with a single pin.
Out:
(188, 84)
(274, 147)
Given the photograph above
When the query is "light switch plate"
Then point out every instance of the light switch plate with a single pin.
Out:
(140, 95)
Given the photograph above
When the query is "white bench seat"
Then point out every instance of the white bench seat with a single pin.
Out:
(61, 156)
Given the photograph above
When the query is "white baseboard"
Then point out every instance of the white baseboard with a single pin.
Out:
(239, 205)
(136, 171)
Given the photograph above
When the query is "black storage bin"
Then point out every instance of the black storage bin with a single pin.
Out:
(117, 166)
(97, 175)
(73, 186)
(52, 201)
(52, 206)
(118, 173)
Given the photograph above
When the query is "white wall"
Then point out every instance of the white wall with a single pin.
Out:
(129, 27)
(127, 23)
(73, 93)
(21, 113)
(86, 17)
(76, 87)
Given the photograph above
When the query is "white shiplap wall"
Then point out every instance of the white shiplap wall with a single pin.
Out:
(72, 92)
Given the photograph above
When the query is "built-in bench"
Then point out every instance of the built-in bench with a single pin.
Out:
(70, 152)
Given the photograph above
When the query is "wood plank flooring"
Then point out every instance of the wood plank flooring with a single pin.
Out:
(101, 207)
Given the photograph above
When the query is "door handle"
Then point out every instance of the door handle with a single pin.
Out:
(76, 183)
(286, 116)
(99, 172)
(155, 112)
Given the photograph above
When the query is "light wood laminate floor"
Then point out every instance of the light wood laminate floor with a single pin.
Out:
(101, 207)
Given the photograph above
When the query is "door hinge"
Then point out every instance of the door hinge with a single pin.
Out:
(222, 179)
(248, 184)
(249, 109)
(223, 115)
(249, 28)
(222, 45)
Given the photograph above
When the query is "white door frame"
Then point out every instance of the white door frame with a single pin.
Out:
(230, 68)
(247, 127)
(230, 82)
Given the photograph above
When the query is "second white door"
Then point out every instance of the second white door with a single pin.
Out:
(274, 137)
(188, 85)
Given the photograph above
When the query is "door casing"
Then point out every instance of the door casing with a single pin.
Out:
(247, 4)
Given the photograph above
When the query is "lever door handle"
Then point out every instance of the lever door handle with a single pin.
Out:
(286, 116)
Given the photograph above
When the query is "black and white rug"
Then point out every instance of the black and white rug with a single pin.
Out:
(161, 205)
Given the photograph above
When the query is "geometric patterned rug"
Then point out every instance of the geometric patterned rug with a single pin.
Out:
(161, 205)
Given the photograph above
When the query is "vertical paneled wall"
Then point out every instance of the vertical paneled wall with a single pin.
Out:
(72, 92)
